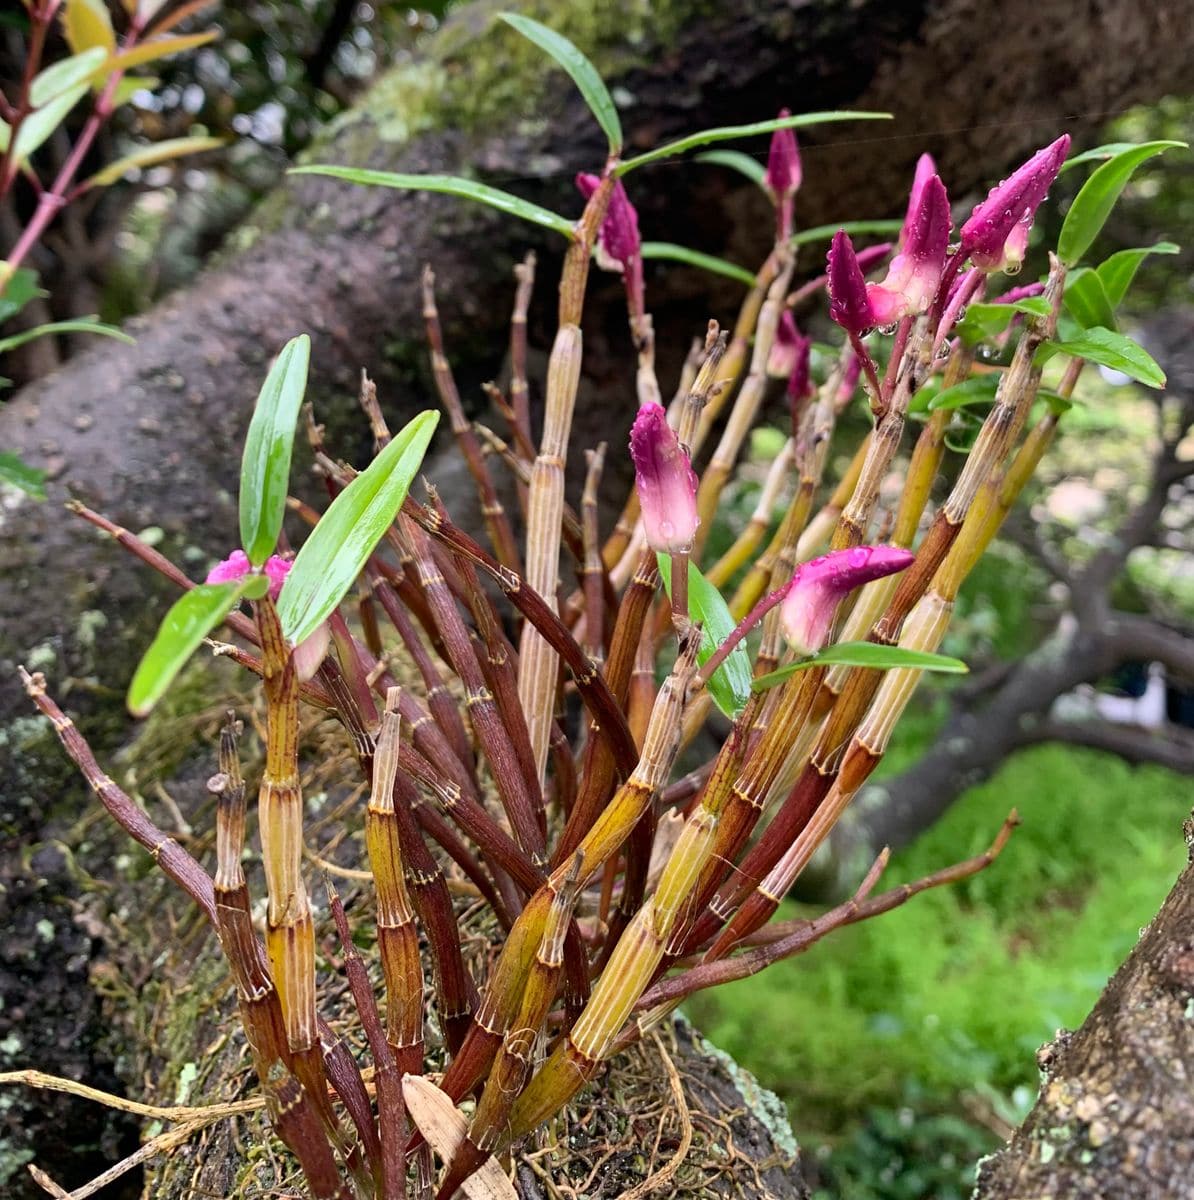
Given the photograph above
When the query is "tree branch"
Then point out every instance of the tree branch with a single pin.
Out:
(1172, 747)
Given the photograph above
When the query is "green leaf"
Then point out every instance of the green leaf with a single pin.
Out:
(192, 617)
(147, 52)
(14, 470)
(64, 75)
(1118, 271)
(1101, 153)
(985, 321)
(79, 325)
(1109, 349)
(20, 289)
(130, 85)
(866, 654)
(729, 685)
(1094, 202)
(726, 132)
(1087, 300)
(450, 185)
(978, 389)
(694, 258)
(735, 160)
(265, 464)
(338, 547)
(155, 152)
(42, 122)
(86, 24)
(583, 73)
(823, 233)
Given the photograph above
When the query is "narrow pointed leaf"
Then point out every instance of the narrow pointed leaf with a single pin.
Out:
(450, 185)
(20, 474)
(1086, 299)
(20, 289)
(156, 152)
(726, 133)
(148, 52)
(1097, 154)
(334, 554)
(1109, 349)
(735, 160)
(694, 258)
(588, 82)
(866, 654)
(86, 24)
(265, 464)
(983, 321)
(64, 75)
(80, 325)
(192, 617)
(729, 685)
(1094, 202)
(823, 233)
(1117, 272)
(979, 389)
(42, 122)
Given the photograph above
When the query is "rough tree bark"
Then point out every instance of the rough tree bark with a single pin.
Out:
(151, 434)
(1115, 1109)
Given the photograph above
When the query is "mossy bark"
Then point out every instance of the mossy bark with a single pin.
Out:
(1116, 1107)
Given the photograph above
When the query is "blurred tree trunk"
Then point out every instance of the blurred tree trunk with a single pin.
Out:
(151, 434)
(1116, 1108)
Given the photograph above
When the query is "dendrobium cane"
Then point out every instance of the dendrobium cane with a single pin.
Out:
(820, 585)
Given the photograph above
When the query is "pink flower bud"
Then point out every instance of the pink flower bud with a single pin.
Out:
(1024, 292)
(848, 303)
(234, 568)
(800, 381)
(619, 247)
(665, 481)
(996, 235)
(785, 347)
(820, 585)
(783, 176)
(926, 168)
(915, 273)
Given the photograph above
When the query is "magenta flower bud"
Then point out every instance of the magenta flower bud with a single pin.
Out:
(1024, 292)
(782, 357)
(872, 256)
(915, 273)
(619, 247)
(665, 482)
(820, 585)
(850, 378)
(783, 176)
(926, 168)
(236, 566)
(848, 303)
(996, 235)
(800, 381)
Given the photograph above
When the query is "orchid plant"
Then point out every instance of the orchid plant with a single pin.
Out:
(811, 634)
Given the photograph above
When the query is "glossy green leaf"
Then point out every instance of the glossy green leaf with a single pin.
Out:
(727, 132)
(1087, 300)
(87, 24)
(984, 321)
(155, 152)
(78, 69)
(729, 685)
(978, 389)
(79, 325)
(823, 233)
(584, 74)
(339, 546)
(42, 122)
(735, 160)
(1094, 202)
(1118, 271)
(694, 258)
(866, 654)
(1097, 153)
(265, 464)
(1109, 349)
(20, 289)
(450, 185)
(14, 470)
(192, 617)
(151, 51)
